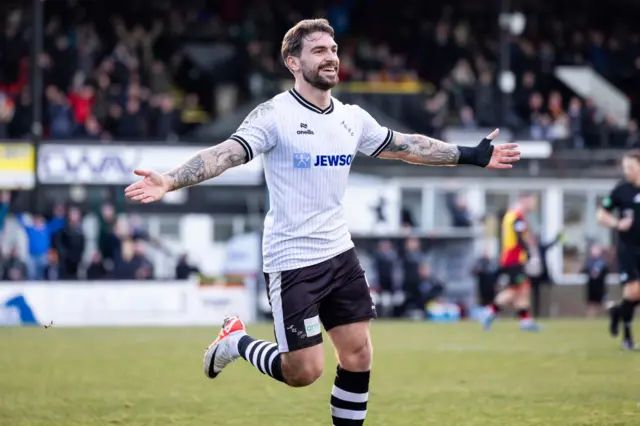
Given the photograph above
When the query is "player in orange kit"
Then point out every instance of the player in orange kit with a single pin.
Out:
(517, 253)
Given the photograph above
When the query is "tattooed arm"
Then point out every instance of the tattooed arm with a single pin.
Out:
(206, 164)
(256, 135)
(419, 149)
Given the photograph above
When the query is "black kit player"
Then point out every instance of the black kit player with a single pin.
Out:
(307, 139)
(624, 200)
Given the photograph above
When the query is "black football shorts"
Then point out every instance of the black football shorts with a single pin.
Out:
(517, 275)
(331, 293)
(628, 263)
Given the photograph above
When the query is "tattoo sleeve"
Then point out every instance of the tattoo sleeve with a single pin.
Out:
(206, 164)
(419, 149)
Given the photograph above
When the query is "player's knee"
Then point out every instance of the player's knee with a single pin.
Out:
(521, 304)
(304, 375)
(300, 372)
(357, 357)
(504, 297)
(632, 290)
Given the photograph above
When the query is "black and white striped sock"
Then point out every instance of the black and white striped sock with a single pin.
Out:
(262, 355)
(349, 398)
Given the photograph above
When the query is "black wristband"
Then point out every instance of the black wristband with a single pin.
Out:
(468, 155)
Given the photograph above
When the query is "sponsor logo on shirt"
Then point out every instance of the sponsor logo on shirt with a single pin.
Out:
(312, 326)
(302, 160)
(333, 160)
(306, 131)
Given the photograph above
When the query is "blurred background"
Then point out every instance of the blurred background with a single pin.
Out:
(89, 90)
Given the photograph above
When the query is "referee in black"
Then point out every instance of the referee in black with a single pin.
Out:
(624, 201)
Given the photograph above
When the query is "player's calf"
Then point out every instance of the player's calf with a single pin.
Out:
(613, 309)
(631, 299)
(350, 392)
(491, 312)
(298, 368)
(263, 355)
(522, 304)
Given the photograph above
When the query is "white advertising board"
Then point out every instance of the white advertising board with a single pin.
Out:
(121, 304)
(114, 164)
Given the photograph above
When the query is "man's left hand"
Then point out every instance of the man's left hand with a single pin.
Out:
(497, 156)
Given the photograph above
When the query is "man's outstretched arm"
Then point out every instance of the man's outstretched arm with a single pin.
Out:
(206, 164)
(420, 149)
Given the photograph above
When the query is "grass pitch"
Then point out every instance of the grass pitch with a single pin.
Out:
(424, 374)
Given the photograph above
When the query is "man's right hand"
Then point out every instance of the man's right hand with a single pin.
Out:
(149, 189)
(625, 223)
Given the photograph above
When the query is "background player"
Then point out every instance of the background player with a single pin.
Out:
(313, 275)
(517, 251)
(625, 199)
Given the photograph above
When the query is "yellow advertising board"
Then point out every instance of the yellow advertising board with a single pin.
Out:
(17, 165)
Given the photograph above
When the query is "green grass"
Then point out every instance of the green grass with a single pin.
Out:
(424, 374)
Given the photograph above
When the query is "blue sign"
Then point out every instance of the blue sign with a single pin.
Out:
(16, 311)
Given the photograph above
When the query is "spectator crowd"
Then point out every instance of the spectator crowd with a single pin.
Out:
(114, 72)
(58, 247)
(104, 79)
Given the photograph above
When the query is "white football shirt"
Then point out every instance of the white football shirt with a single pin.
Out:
(307, 153)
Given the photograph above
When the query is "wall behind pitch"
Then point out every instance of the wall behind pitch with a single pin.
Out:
(77, 304)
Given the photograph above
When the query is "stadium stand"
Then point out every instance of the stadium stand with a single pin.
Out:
(186, 73)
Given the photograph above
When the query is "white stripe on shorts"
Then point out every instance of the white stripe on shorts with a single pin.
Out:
(275, 298)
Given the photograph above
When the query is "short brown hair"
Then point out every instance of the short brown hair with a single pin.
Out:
(293, 39)
(634, 153)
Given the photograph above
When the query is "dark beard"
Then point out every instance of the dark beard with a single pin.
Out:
(316, 80)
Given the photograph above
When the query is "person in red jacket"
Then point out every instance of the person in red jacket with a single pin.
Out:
(82, 103)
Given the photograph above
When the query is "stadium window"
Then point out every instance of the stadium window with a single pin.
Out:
(574, 210)
(254, 223)
(169, 226)
(411, 205)
(496, 202)
(222, 229)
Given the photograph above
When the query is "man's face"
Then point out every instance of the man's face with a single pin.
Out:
(385, 246)
(631, 169)
(412, 244)
(74, 215)
(108, 212)
(138, 249)
(38, 221)
(530, 203)
(319, 61)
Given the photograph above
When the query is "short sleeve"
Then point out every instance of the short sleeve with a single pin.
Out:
(374, 137)
(611, 201)
(257, 134)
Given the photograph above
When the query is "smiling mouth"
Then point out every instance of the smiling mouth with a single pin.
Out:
(329, 70)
